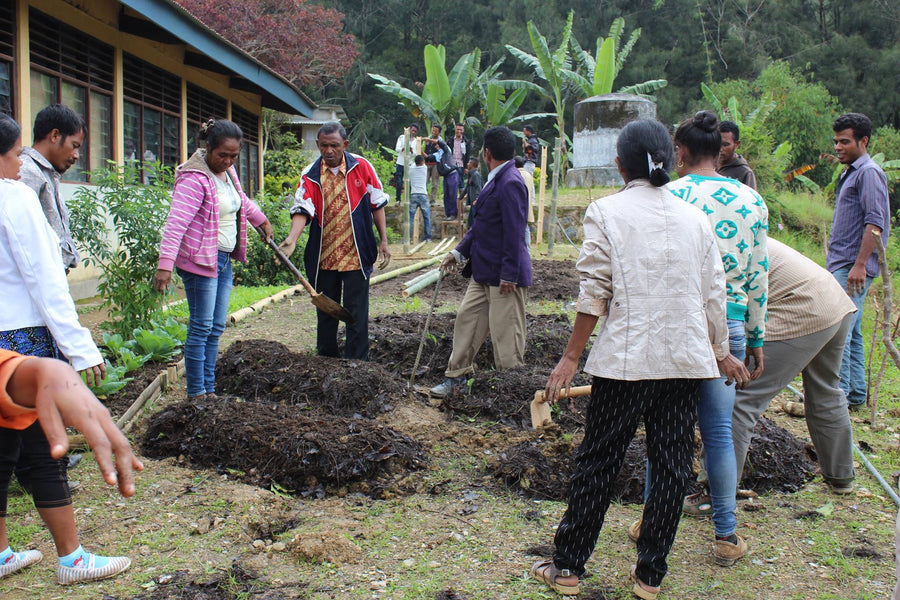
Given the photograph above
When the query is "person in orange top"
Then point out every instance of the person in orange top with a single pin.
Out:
(47, 394)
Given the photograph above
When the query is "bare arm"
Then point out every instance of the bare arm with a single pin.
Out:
(856, 279)
(298, 223)
(383, 251)
(564, 372)
(60, 397)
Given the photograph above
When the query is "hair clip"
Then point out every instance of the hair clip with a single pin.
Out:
(204, 127)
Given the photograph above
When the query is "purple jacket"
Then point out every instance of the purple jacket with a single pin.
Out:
(495, 244)
(191, 237)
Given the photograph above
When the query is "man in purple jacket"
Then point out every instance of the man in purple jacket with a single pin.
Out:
(493, 253)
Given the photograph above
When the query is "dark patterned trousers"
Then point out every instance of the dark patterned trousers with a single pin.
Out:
(668, 408)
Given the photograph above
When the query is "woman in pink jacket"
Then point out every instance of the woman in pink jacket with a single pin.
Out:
(206, 228)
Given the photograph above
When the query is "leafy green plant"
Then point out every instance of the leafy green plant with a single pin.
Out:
(600, 71)
(174, 328)
(261, 268)
(115, 343)
(130, 360)
(117, 224)
(115, 380)
(156, 342)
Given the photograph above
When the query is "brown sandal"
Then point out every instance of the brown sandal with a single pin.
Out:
(646, 593)
(546, 572)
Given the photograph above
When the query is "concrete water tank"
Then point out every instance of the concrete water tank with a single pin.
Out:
(598, 121)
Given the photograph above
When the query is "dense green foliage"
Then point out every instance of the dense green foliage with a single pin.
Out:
(117, 224)
(850, 49)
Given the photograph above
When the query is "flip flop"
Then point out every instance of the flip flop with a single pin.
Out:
(640, 591)
(546, 572)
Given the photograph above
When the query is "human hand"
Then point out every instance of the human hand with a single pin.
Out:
(449, 264)
(94, 375)
(265, 230)
(560, 379)
(757, 355)
(856, 280)
(161, 280)
(384, 253)
(61, 399)
(734, 370)
(507, 287)
(287, 246)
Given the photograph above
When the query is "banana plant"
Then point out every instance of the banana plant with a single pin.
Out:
(596, 74)
(554, 69)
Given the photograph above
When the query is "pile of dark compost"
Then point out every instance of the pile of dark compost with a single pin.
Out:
(777, 461)
(541, 468)
(505, 396)
(266, 370)
(264, 443)
(551, 280)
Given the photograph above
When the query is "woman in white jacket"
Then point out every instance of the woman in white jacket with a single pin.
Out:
(650, 266)
(39, 319)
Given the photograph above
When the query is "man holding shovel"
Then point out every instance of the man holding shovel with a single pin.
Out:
(493, 253)
(341, 196)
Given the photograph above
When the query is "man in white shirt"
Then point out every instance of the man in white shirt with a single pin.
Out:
(410, 144)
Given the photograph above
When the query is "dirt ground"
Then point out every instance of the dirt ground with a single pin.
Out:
(324, 478)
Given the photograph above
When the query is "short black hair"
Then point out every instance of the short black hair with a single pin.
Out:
(858, 122)
(641, 143)
(9, 133)
(700, 135)
(57, 116)
(439, 128)
(420, 159)
(215, 131)
(332, 127)
(416, 125)
(501, 142)
(519, 160)
(528, 128)
(732, 128)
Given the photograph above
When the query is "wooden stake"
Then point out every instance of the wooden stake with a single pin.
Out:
(543, 187)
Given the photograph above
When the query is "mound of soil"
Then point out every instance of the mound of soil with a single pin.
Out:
(551, 280)
(506, 396)
(777, 461)
(540, 468)
(122, 400)
(266, 370)
(264, 443)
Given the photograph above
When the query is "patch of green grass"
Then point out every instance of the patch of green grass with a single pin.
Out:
(241, 297)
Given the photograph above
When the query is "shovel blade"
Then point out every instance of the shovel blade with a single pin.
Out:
(330, 307)
(540, 413)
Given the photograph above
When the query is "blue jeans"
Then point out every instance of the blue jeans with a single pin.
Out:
(853, 365)
(451, 193)
(207, 299)
(420, 201)
(714, 420)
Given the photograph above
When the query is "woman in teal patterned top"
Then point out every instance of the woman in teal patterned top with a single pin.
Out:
(739, 219)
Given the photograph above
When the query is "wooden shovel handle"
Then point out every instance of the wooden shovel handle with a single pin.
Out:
(575, 392)
(284, 259)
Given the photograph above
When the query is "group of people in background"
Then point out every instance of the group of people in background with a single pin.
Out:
(454, 161)
(704, 318)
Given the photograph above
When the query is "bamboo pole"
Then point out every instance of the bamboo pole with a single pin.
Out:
(543, 188)
(422, 284)
(417, 247)
(442, 246)
(155, 386)
(886, 336)
(419, 278)
(404, 270)
(404, 206)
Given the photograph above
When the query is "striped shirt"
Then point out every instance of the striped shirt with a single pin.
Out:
(861, 198)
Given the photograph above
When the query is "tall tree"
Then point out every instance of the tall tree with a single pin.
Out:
(299, 40)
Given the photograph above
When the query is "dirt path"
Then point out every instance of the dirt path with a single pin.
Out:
(448, 523)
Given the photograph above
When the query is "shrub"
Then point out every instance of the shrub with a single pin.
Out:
(261, 268)
(117, 224)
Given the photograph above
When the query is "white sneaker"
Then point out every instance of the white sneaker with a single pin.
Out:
(20, 560)
(86, 571)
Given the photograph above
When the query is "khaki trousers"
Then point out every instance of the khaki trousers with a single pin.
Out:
(484, 309)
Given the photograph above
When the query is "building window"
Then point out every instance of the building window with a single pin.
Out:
(7, 45)
(73, 68)
(152, 105)
(201, 106)
(248, 168)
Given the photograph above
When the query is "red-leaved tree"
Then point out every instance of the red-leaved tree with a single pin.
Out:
(303, 42)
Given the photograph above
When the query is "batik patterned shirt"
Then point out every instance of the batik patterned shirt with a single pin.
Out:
(338, 247)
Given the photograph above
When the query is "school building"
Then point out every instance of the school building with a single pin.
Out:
(143, 74)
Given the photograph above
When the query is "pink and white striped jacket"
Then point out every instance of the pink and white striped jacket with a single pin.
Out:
(190, 238)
